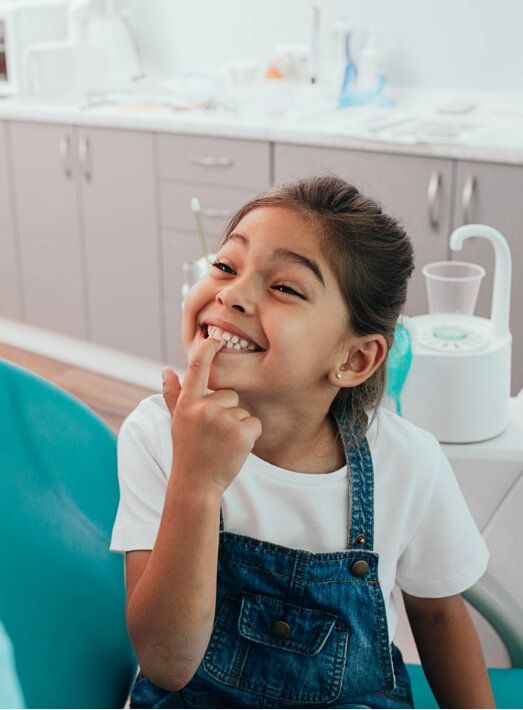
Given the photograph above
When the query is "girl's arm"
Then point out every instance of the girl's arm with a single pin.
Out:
(170, 612)
(450, 651)
(170, 607)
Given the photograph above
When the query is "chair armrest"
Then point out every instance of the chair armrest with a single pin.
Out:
(502, 612)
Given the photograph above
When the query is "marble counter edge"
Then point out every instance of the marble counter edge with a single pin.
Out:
(269, 131)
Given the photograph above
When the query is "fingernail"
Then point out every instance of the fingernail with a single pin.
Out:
(164, 373)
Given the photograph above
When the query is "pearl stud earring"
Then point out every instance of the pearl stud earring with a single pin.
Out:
(338, 375)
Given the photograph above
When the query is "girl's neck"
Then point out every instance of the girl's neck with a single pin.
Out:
(320, 453)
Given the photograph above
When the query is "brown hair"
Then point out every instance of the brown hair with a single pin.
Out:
(371, 257)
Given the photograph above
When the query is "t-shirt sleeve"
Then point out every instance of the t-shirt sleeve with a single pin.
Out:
(142, 482)
(446, 553)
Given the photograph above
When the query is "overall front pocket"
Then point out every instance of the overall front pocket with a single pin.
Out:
(271, 648)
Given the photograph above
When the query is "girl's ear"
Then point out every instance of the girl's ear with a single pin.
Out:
(365, 356)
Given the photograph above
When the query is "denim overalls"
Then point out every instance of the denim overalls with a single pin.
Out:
(295, 628)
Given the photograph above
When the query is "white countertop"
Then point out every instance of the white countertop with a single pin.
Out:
(491, 131)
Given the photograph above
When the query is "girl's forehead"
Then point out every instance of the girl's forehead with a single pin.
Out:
(279, 223)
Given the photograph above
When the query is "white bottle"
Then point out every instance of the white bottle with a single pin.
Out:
(368, 78)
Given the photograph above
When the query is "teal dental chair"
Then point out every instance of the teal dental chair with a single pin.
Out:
(62, 593)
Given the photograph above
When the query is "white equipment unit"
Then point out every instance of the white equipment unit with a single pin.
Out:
(99, 54)
(458, 385)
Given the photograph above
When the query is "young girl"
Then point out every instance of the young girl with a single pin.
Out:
(264, 518)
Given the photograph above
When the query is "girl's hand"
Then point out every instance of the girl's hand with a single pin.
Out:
(211, 435)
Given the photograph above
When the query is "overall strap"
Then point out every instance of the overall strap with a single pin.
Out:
(221, 519)
(361, 483)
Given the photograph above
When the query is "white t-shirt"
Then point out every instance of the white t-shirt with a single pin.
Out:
(424, 533)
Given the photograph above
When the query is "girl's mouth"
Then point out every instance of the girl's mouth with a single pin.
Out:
(233, 344)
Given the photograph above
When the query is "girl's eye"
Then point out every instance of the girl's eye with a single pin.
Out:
(290, 290)
(220, 264)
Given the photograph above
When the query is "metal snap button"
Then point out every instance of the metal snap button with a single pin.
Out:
(360, 539)
(280, 629)
(360, 568)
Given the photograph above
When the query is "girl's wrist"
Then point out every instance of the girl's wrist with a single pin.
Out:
(196, 489)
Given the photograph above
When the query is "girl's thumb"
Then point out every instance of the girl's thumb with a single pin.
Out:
(171, 388)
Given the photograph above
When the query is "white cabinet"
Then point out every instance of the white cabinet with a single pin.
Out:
(10, 292)
(53, 278)
(88, 238)
(121, 240)
(417, 191)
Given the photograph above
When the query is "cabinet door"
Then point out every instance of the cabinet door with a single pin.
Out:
(487, 193)
(10, 297)
(116, 173)
(416, 191)
(48, 227)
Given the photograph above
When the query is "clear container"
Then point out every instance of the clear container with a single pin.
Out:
(453, 286)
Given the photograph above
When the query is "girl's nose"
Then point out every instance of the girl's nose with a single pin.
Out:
(231, 297)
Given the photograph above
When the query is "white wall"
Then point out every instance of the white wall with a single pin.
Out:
(431, 44)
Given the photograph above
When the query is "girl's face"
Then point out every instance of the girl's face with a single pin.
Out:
(289, 305)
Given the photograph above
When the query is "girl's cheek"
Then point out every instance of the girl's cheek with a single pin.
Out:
(197, 297)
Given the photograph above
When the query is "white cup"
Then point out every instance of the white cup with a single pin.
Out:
(453, 286)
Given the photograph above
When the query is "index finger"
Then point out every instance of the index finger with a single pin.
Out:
(197, 376)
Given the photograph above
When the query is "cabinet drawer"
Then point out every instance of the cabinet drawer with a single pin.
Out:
(220, 161)
(218, 206)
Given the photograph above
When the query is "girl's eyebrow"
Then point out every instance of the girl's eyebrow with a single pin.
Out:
(284, 255)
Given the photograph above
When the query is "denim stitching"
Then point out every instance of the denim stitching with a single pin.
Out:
(266, 546)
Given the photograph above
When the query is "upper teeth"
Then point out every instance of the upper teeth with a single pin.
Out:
(232, 340)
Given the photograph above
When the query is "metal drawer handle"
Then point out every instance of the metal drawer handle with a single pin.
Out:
(466, 200)
(64, 152)
(432, 198)
(84, 155)
(210, 162)
(216, 213)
